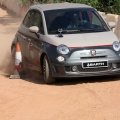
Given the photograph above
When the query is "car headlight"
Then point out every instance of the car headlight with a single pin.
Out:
(63, 49)
(116, 45)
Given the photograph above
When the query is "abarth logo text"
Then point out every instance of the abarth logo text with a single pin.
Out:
(95, 64)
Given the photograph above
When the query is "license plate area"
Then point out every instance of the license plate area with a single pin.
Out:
(95, 64)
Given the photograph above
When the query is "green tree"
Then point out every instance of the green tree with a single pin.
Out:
(116, 7)
(108, 6)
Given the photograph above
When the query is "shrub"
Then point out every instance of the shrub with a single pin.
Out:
(108, 6)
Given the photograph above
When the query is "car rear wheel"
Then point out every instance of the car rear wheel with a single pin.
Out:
(47, 75)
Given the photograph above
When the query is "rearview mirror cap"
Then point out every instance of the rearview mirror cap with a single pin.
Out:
(34, 29)
(112, 24)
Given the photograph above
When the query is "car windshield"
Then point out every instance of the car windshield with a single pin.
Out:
(71, 21)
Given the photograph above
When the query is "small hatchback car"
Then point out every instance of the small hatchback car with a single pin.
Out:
(67, 40)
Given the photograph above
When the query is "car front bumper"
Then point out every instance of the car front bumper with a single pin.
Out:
(59, 71)
(82, 59)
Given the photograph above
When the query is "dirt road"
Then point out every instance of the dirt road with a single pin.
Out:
(95, 98)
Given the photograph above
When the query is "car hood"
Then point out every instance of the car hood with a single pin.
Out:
(83, 39)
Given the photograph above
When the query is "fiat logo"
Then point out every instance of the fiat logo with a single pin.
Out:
(93, 52)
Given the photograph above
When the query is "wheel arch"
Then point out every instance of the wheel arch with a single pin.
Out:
(41, 60)
(46, 72)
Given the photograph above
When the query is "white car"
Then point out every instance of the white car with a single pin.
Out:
(68, 40)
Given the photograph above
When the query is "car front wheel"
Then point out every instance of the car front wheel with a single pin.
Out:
(47, 71)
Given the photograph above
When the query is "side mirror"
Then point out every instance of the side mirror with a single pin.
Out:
(34, 29)
(112, 24)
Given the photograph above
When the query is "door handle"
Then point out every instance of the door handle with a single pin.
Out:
(23, 37)
(29, 39)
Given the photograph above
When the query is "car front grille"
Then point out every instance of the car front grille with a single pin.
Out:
(92, 57)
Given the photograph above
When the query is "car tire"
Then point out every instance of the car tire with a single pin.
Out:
(47, 74)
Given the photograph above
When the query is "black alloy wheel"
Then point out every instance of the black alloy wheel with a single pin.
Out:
(47, 74)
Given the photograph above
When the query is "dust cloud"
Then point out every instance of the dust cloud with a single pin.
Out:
(7, 65)
(9, 24)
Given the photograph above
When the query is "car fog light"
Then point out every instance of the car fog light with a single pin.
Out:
(114, 65)
(60, 58)
(74, 68)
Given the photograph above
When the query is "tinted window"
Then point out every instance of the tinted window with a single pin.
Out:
(34, 18)
(27, 19)
(74, 21)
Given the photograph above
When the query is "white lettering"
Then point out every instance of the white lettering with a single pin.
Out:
(95, 64)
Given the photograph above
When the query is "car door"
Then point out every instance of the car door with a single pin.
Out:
(35, 43)
(24, 37)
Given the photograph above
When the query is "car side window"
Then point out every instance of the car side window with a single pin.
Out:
(38, 21)
(34, 18)
(27, 19)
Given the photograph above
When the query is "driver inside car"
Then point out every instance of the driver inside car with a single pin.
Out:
(76, 21)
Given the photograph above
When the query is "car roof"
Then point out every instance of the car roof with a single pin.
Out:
(54, 6)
